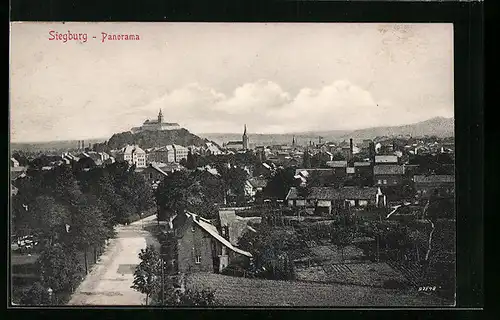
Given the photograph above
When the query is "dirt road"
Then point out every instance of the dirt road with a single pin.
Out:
(110, 279)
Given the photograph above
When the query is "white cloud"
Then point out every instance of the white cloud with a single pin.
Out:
(265, 107)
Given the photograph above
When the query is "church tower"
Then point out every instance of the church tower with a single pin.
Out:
(244, 139)
(160, 117)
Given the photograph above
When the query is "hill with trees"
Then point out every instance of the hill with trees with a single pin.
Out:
(149, 139)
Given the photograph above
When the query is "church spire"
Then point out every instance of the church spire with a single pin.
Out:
(245, 138)
(293, 141)
(160, 117)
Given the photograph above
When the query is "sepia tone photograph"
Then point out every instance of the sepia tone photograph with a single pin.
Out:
(232, 165)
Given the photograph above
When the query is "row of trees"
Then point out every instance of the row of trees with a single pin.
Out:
(71, 212)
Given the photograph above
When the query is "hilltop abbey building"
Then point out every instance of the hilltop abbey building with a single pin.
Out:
(156, 125)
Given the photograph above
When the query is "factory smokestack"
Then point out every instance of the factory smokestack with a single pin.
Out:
(350, 150)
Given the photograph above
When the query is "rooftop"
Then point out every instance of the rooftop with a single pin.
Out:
(386, 158)
(212, 230)
(388, 169)
(337, 164)
(258, 183)
(434, 179)
(330, 193)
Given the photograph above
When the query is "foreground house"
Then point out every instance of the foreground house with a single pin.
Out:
(200, 246)
(327, 199)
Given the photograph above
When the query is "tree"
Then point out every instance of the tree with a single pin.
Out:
(173, 193)
(306, 159)
(147, 275)
(234, 180)
(59, 268)
(343, 238)
(280, 183)
(319, 160)
(48, 218)
(35, 295)
(88, 229)
(191, 297)
(190, 161)
(337, 156)
(269, 247)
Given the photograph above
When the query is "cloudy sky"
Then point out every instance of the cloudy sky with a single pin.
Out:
(210, 78)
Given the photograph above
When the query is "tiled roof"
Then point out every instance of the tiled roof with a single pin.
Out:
(328, 193)
(362, 164)
(386, 158)
(234, 142)
(388, 169)
(130, 149)
(316, 172)
(179, 147)
(434, 179)
(258, 183)
(337, 164)
(154, 166)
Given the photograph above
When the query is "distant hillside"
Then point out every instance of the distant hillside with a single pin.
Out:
(149, 139)
(439, 126)
(50, 145)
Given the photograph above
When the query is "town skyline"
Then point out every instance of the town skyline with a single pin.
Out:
(272, 77)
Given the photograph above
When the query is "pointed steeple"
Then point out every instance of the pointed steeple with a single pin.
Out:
(244, 139)
(160, 117)
(293, 141)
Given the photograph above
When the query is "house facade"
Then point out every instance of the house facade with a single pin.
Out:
(164, 154)
(388, 175)
(134, 155)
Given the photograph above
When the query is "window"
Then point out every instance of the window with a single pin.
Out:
(192, 228)
(385, 181)
(380, 182)
(197, 260)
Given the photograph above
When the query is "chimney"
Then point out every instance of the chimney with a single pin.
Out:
(350, 150)
(83, 144)
(78, 148)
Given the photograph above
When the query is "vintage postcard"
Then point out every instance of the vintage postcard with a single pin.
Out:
(232, 164)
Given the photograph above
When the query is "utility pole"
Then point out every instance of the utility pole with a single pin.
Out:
(162, 281)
